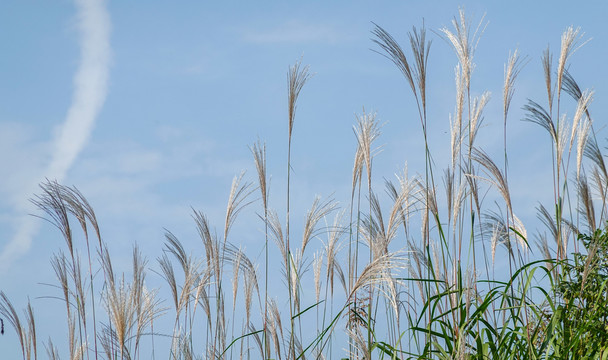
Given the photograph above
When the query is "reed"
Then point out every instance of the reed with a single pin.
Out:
(413, 273)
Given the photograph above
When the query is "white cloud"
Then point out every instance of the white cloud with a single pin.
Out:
(90, 89)
(294, 32)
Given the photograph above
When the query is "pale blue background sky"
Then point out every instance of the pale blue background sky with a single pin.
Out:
(192, 84)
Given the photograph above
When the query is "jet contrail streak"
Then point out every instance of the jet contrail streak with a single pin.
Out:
(90, 89)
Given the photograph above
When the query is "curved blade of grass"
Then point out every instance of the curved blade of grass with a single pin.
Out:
(305, 310)
(237, 339)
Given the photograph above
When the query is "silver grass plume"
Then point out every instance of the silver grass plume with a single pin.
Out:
(236, 201)
(512, 69)
(296, 78)
(317, 211)
(367, 131)
(464, 43)
(572, 40)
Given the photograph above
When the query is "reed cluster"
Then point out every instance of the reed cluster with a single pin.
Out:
(416, 275)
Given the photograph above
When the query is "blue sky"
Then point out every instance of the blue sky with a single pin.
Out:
(183, 89)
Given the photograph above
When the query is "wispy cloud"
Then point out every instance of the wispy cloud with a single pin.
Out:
(90, 86)
(294, 32)
(90, 89)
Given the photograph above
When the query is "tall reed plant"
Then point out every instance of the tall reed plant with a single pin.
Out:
(410, 274)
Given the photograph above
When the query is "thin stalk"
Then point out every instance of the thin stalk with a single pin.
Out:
(296, 79)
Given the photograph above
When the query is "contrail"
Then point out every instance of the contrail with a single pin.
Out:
(90, 89)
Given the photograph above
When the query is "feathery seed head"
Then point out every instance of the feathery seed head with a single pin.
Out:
(521, 233)
(479, 103)
(464, 43)
(581, 109)
(236, 201)
(572, 40)
(494, 242)
(495, 176)
(582, 136)
(367, 131)
(296, 78)
(317, 263)
(259, 157)
(512, 69)
(416, 74)
(317, 212)
(547, 60)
